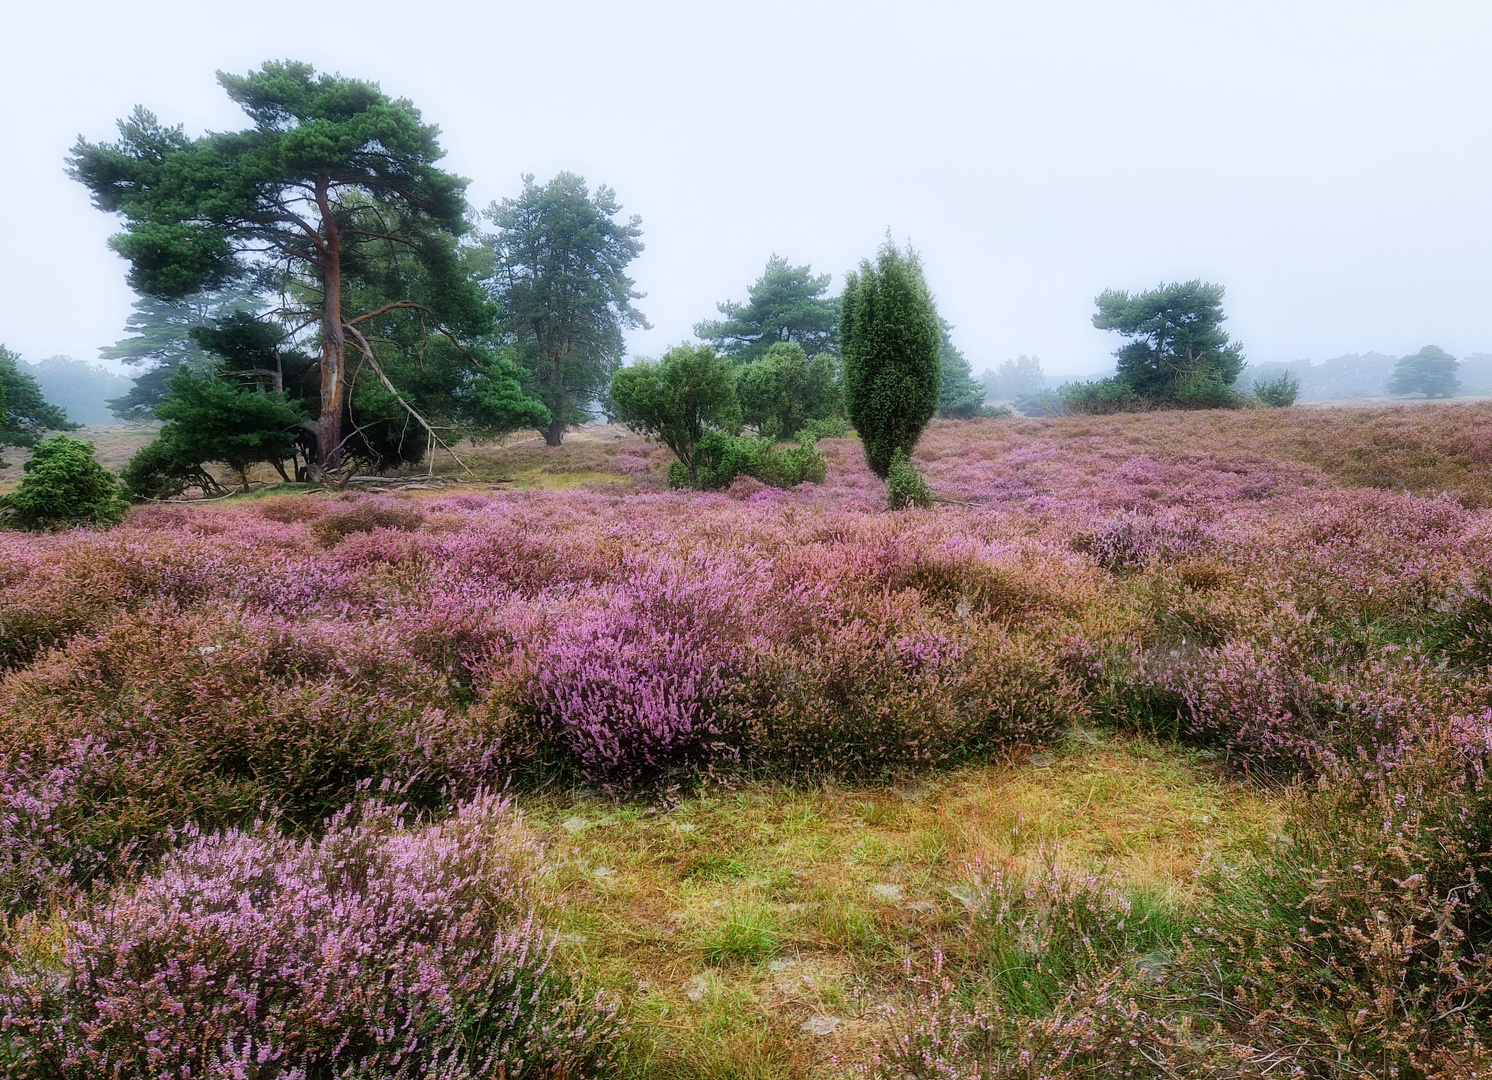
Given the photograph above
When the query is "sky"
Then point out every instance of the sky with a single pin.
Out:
(1330, 163)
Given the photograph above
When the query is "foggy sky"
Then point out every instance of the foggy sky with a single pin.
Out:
(1329, 162)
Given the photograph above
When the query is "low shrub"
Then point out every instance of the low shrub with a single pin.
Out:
(824, 427)
(154, 473)
(1279, 392)
(719, 459)
(1100, 397)
(905, 486)
(363, 514)
(166, 720)
(375, 951)
(64, 487)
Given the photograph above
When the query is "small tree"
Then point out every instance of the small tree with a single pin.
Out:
(892, 346)
(678, 400)
(786, 305)
(960, 395)
(786, 389)
(1431, 371)
(63, 487)
(25, 414)
(155, 473)
(212, 419)
(1178, 351)
(1014, 379)
(1278, 392)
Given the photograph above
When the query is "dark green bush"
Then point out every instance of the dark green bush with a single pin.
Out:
(64, 486)
(1278, 392)
(904, 484)
(719, 459)
(156, 473)
(1102, 396)
(786, 390)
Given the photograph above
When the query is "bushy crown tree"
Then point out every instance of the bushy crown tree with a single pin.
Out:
(787, 389)
(786, 305)
(560, 262)
(1177, 345)
(331, 169)
(64, 486)
(892, 344)
(1431, 371)
(687, 393)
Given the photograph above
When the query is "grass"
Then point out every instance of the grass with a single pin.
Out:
(733, 919)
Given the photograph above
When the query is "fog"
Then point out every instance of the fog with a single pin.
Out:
(1330, 163)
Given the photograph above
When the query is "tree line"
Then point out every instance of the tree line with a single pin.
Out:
(316, 294)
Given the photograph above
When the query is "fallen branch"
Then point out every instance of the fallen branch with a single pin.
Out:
(367, 351)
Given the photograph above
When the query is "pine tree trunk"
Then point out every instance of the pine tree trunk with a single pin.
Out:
(554, 434)
(333, 340)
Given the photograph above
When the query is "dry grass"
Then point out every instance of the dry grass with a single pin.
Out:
(732, 920)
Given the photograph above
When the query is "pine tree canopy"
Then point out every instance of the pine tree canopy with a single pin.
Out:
(786, 304)
(1176, 337)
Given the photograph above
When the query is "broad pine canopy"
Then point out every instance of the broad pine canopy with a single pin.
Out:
(333, 180)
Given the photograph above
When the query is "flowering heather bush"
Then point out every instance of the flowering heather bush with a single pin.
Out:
(1302, 592)
(375, 951)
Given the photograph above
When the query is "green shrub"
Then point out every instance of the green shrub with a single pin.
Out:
(1100, 397)
(904, 484)
(1203, 389)
(827, 427)
(64, 486)
(156, 473)
(683, 399)
(719, 459)
(787, 389)
(1278, 392)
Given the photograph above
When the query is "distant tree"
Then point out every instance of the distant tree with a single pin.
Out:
(160, 341)
(787, 389)
(1279, 392)
(891, 342)
(786, 305)
(25, 413)
(64, 486)
(1015, 378)
(960, 395)
(79, 388)
(678, 400)
(559, 276)
(1178, 351)
(331, 171)
(1431, 371)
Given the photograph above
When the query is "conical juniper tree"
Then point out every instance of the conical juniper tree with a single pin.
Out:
(560, 277)
(331, 168)
(892, 345)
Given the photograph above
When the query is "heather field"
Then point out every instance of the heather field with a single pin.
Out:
(1156, 748)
